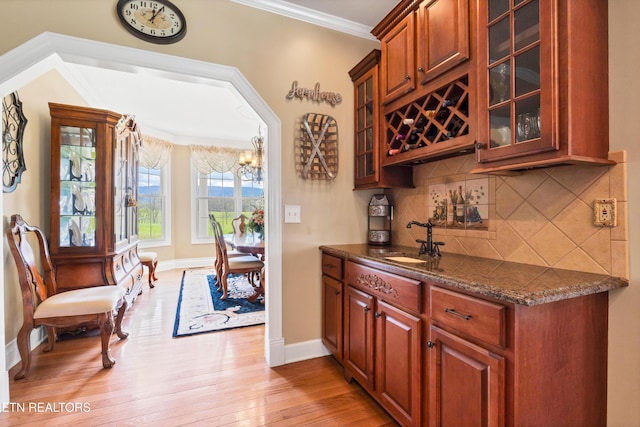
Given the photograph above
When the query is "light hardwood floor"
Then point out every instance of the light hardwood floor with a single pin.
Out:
(214, 379)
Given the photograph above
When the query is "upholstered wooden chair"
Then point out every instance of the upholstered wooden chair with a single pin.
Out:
(225, 265)
(43, 305)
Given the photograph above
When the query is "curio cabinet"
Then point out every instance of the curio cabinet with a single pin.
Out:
(94, 171)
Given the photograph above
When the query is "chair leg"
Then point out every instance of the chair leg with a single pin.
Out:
(106, 329)
(153, 273)
(223, 284)
(24, 348)
(51, 338)
(121, 334)
(218, 267)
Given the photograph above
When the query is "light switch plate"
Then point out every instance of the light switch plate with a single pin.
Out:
(292, 213)
(604, 212)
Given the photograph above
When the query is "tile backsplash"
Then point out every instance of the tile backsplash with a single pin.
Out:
(541, 216)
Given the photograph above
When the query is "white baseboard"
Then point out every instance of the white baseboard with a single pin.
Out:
(185, 263)
(305, 350)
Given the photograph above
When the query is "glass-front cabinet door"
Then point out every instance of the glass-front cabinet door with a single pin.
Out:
(366, 113)
(365, 123)
(78, 187)
(516, 85)
(125, 176)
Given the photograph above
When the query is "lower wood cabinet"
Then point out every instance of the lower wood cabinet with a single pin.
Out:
(383, 342)
(466, 386)
(382, 353)
(432, 355)
(332, 315)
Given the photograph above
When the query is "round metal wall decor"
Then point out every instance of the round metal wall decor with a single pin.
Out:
(13, 124)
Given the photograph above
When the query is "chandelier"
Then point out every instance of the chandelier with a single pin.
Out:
(251, 162)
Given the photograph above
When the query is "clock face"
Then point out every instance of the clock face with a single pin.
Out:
(156, 21)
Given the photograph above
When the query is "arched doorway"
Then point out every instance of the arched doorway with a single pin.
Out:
(48, 51)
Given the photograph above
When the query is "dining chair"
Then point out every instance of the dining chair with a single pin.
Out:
(43, 305)
(239, 225)
(225, 265)
(231, 253)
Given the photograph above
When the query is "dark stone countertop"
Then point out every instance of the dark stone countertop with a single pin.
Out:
(507, 281)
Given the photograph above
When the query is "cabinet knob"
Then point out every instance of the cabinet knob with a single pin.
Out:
(377, 315)
(366, 309)
(421, 69)
(337, 292)
(407, 77)
(431, 344)
(479, 145)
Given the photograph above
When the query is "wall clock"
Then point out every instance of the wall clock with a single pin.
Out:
(155, 21)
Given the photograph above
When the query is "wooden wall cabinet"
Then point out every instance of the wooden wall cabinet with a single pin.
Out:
(542, 91)
(443, 37)
(398, 59)
(383, 338)
(428, 82)
(368, 150)
(420, 41)
(94, 172)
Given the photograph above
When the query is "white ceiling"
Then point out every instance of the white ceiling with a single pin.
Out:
(188, 112)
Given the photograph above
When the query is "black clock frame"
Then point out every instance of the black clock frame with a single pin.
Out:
(154, 39)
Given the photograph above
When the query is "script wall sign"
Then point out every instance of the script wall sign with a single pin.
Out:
(314, 95)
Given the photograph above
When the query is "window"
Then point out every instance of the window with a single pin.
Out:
(224, 195)
(153, 200)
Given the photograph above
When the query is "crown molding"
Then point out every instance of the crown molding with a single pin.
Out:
(310, 16)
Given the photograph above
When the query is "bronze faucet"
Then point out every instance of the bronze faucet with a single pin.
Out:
(427, 247)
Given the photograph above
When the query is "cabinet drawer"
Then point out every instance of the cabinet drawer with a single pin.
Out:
(332, 266)
(480, 319)
(398, 290)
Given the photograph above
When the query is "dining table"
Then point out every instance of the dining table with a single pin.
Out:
(250, 244)
(246, 243)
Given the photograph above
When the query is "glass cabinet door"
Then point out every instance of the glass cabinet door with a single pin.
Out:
(77, 187)
(365, 123)
(514, 94)
(120, 191)
(125, 180)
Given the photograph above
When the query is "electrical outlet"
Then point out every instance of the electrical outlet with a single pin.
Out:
(604, 212)
(292, 214)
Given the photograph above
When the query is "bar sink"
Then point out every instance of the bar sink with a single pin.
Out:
(405, 259)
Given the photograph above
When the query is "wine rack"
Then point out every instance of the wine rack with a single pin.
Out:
(429, 126)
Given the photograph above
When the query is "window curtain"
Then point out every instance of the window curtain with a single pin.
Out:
(214, 159)
(154, 153)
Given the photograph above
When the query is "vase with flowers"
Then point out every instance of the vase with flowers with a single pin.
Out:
(256, 222)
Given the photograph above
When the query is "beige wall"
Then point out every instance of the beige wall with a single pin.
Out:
(624, 306)
(272, 51)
